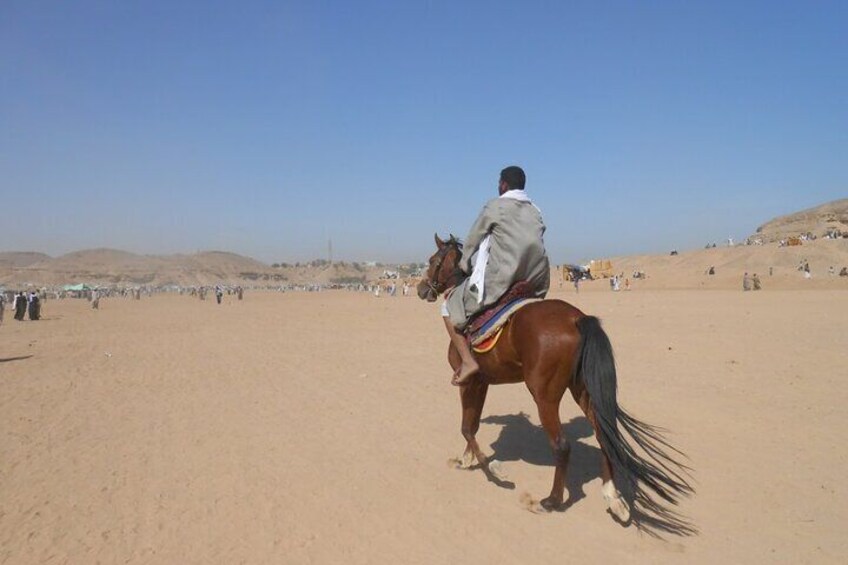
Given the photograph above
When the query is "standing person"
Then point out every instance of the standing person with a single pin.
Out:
(219, 293)
(20, 306)
(746, 282)
(504, 246)
(2, 305)
(34, 306)
(95, 299)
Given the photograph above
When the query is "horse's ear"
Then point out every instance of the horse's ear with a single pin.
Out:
(439, 242)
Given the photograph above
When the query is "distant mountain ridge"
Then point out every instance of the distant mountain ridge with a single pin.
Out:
(106, 267)
(13, 259)
(114, 267)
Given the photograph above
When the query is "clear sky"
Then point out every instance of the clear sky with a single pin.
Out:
(266, 128)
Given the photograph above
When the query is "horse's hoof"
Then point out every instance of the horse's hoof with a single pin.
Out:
(497, 470)
(531, 504)
(463, 462)
(616, 504)
(550, 504)
(620, 509)
(456, 463)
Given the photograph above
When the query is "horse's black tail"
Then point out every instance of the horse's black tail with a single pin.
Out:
(634, 474)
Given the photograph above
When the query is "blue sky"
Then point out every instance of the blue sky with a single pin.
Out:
(265, 128)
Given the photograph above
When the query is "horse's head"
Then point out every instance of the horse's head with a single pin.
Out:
(443, 271)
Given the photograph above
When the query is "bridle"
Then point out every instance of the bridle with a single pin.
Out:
(457, 275)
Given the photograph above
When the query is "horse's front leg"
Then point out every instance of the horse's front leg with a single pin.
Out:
(472, 397)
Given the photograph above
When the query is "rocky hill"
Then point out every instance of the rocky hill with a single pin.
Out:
(777, 265)
(816, 221)
(17, 259)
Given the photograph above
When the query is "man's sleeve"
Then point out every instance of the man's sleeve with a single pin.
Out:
(481, 228)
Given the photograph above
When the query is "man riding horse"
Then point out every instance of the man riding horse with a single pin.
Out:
(552, 347)
(504, 246)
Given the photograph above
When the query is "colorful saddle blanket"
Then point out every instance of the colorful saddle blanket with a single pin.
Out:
(484, 330)
(487, 336)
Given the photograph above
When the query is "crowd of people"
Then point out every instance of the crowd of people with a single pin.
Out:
(23, 304)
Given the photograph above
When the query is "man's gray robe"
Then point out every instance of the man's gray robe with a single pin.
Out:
(516, 252)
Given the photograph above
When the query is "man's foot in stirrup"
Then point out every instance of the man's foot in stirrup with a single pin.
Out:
(464, 374)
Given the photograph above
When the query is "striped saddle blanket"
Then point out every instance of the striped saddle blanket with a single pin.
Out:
(486, 337)
(484, 329)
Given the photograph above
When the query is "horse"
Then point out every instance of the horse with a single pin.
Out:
(551, 346)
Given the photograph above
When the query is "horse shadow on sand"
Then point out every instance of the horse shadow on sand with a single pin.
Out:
(521, 440)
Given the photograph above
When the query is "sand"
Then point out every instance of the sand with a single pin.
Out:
(688, 269)
(316, 428)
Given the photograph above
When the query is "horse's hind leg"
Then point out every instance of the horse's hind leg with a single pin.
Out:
(549, 415)
(615, 502)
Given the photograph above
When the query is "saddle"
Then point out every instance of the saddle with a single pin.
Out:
(484, 329)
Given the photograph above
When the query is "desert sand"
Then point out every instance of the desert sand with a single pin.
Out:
(316, 428)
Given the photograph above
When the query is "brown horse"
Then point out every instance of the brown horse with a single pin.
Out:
(552, 347)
